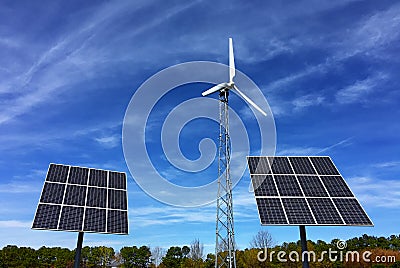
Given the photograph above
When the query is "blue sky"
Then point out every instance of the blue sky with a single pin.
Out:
(329, 70)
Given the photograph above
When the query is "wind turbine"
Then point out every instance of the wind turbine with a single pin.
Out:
(225, 236)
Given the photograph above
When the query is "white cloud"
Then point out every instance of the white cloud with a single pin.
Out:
(312, 150)
(298, 151)
(109, 141)
(369, 36)
(307, 101)
(165, 215)
(376, 193)
(359, 91)
(20, 187)
(390, 164)
(15, 224)
(70, 60)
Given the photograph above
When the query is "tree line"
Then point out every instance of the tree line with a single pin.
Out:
(193, 255)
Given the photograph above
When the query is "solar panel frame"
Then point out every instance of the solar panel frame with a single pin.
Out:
(39, 221)
(324, 170)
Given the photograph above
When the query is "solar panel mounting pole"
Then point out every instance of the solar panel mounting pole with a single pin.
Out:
(225, 236)
(303, 240)
(78, 250)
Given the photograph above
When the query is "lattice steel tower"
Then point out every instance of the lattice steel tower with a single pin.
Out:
(225, 235)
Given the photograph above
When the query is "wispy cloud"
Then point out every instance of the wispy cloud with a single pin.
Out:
(312, 150)
(20, 187)
(67, 62)
(345, 142)
(367, 36)
(359, 91)
(390, 164)
(15, 224)
(164, 215)
(307, 101)
(376, 193)
(109, 141)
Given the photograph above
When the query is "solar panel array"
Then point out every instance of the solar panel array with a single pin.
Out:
(83, 200)
(302, 190)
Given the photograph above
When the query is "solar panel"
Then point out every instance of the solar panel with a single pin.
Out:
(271, 211)
(83, 199)
(303, 190)
(287, 185)
(297, 211)
(264, 185)
(280, 165)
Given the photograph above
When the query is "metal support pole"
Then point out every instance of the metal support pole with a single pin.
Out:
(303, 240)
(78, 250)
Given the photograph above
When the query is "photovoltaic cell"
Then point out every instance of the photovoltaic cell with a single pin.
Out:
(253, 163)
(71, 218)
(78, 175)
(98, 178)
(96, 197)
(47, 216)
(310, 188)
(324, 165)
(336, 186)
(75, 195)
(116, 199)
(117, 221)
(297, 211)
(57, 173)
(117, 180)
(83, 199)
(352, 212)
(263, 185)
(324, 211)
(95, 220)
(259, 165)
(271, 211)
(302, 165)
(280, 165)
(52, 193)
(287, 185)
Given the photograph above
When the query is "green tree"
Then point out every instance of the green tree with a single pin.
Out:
(101, 256)
(185, 251)
(136, 257)
(45, 257)
(173, 258)
(210, 261)
(12, 256)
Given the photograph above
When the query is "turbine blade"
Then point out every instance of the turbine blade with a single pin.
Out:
(232, 70)
(250, 101)
(213, 89)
